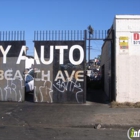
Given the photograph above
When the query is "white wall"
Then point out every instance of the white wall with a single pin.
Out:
(106, 61)
(127, 60)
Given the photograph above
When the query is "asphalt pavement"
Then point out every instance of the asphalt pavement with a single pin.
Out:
(90, 115)
(94, 119)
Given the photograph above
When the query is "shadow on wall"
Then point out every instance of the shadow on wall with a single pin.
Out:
(95, 91)
(29, 97)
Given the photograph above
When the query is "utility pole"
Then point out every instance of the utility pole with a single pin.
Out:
(90, 31)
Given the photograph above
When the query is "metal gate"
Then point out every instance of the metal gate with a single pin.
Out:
(59, 69)
(60, 66)
(11, 68)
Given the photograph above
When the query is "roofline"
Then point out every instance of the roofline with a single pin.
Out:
(127, 17)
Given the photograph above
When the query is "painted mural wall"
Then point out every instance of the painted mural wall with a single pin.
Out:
(59, 74)
(56, 72)
(12, 66)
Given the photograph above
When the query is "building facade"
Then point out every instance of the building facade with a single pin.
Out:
(120, 59)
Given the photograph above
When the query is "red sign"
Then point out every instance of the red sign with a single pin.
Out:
(136, 38)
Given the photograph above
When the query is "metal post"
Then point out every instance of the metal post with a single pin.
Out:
(85, 68)
(89, 51)
(90, 31)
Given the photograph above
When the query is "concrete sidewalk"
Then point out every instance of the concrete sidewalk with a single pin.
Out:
(44, 115)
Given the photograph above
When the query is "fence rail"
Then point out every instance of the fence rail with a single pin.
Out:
(12, 35)
(54, 35)
(98, 35)
(59, 35)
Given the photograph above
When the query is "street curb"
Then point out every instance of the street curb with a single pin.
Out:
(108, 126)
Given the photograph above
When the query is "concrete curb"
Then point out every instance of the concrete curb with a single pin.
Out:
(107, 126)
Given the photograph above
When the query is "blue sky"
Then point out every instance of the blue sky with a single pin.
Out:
(32, 15)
